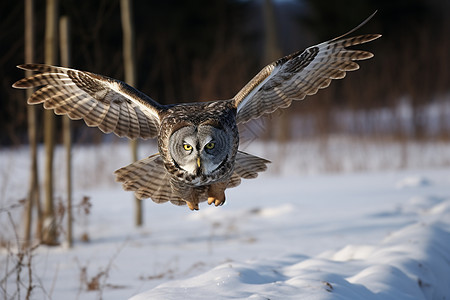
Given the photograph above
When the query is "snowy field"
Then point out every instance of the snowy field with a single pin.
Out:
(353, 221)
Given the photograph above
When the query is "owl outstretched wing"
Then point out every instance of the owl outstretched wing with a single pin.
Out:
(300, 74)
(100, 101)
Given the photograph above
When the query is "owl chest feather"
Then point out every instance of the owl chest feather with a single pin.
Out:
(219, 114)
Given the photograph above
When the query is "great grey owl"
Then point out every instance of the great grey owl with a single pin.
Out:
(198, 142)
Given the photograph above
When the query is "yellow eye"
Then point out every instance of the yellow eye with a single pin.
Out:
(210, 145)
(187, 147)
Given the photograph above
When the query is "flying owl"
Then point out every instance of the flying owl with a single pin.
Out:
(198, 143)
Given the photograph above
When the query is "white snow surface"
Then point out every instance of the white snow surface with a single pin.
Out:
(377, 234)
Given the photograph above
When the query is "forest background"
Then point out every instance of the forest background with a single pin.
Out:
(205, 50)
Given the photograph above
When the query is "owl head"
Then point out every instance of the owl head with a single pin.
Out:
(199, 149)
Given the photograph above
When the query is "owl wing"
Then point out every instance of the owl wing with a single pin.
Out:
(107, 103)
(300, 74)
(148, 179)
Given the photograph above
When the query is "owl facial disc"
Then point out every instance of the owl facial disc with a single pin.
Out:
(199, 149)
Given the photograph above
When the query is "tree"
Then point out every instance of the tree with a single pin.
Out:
(49, 234)
(33, 189)
(273, 52)
(126, 11)
(64, 37)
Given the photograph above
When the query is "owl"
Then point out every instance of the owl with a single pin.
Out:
(198, 143)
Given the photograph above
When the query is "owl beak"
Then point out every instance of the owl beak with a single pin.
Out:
(198, 162)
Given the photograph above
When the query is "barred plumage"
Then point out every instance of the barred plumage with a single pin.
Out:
(299, 75)
(102, 102)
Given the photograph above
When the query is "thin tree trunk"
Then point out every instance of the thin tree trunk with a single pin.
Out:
(33, 189)
(280, 129)
(126, 10)
(271, 53)
(49, 230)
(64, 45)
(271, 50)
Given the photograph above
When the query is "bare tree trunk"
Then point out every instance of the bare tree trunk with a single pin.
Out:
(271, 50)
(279, 129)
(64, 45)
(126, 10)
(49, 231)
(33, 189)
(272, 53)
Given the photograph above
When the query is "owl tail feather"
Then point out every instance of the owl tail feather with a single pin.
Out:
(247, 166)
(148, 178)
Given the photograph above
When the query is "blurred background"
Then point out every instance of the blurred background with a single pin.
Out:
(205, 50)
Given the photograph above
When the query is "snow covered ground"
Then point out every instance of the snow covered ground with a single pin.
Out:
(377, 232)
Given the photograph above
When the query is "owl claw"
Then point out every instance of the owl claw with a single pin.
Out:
(192, 206)
(217, 202)
(216, 193)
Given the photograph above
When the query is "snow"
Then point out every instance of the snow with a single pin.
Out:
(377, 233)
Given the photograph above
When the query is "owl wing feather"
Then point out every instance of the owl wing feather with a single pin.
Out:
(102, 102)
(148, 178)
(300, 74)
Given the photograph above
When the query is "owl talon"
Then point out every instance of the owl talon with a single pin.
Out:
(216, 193)
(192, 206)
(219, 202)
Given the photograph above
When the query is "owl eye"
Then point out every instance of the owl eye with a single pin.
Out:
(210, 145)
(187, 147)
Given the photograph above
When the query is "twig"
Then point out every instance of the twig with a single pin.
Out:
(19, 265)
(97, 282)
(30, 277)
(11, 207)
(108, 268)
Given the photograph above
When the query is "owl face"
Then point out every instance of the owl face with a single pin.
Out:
(199, 150)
